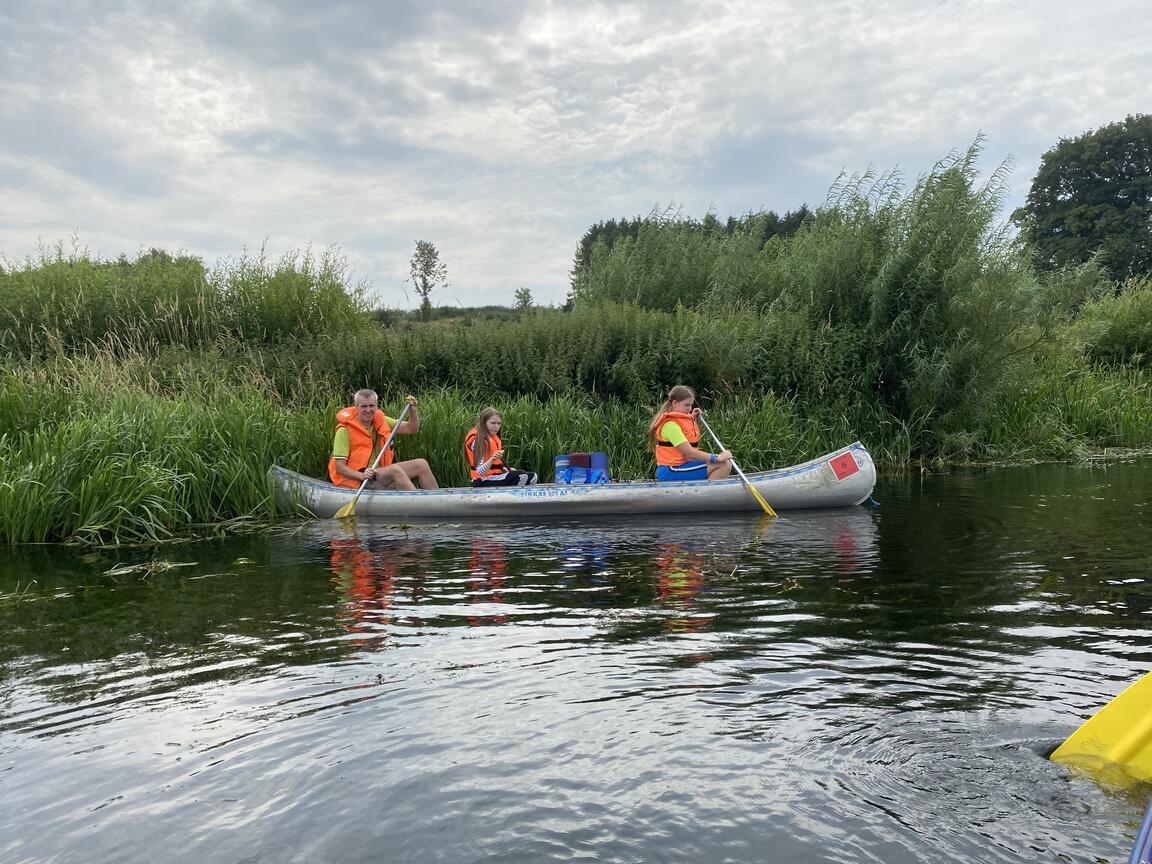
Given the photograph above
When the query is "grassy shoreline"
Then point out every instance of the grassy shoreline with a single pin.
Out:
(106, 449)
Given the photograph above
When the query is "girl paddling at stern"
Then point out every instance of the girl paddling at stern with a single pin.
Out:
(484, 454)
(674, 437)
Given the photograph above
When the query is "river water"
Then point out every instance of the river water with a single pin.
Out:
(875, 684)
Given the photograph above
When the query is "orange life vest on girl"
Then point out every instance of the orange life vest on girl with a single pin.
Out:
(360, 442)
(496, 468)
(666, 454)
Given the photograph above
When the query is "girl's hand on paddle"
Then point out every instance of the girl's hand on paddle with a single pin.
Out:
(724, 456)
(499, 454)
(696, 412)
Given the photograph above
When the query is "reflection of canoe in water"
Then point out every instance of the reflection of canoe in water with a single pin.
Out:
(839, 479)
(808, 538)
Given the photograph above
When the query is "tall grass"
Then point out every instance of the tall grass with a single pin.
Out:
(88, 458)
(69, 301)
(1116, 326)
(609, 350)
(666, 265)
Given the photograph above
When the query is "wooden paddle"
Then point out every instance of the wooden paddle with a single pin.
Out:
(349, 509)
(736, 468)
(1119, 734)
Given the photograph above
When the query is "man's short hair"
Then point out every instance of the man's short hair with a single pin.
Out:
(366, 394)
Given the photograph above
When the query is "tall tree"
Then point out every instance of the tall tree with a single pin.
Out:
(523, 299)
(429, 274)
(1093, 194)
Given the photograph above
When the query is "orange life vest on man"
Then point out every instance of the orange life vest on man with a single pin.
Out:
(360, 444)
(666, 454)
(496, 469)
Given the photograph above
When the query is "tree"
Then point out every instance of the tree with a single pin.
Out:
(429, 274)
(1093, 194)
(523, 299)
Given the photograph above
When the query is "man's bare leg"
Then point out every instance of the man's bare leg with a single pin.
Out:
(401, 474)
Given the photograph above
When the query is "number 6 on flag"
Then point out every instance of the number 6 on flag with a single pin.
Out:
(844, 465)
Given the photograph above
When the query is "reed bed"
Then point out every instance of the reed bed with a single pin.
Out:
(66, 301)
(84, 464)
(114, 447)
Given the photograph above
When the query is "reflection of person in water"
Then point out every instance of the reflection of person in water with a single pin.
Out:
(489, 568)
(366, 582)
(679, 581)
(367, 578)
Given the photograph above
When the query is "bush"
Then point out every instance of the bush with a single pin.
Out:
(1117, 327)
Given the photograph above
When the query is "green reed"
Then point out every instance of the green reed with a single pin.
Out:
(84, 463)
(1116, 326)
(1059, 412)
(68, 301)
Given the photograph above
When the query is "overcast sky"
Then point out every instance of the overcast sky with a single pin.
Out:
(501, 130)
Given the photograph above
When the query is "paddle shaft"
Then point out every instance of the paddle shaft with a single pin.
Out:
(350, 508)
(760, 498)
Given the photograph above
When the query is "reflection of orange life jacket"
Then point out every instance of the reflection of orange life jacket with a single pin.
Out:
(489, 561)
(680, 575)
(489, 566)
(352, 565)
(366, 582)
(666, 454)
(360, 443)
(497, 468)
(679, 582)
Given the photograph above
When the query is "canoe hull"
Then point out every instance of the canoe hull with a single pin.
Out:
(840, 479)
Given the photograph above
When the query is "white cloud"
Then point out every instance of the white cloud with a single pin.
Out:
(502, 133)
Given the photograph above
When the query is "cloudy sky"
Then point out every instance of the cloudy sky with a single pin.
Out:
(500, 130)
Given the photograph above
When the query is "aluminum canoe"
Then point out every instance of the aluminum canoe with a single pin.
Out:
(842, 478)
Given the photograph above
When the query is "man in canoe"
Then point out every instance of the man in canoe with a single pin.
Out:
(675, 438)
(361, 430)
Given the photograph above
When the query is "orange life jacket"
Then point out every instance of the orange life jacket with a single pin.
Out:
(360, 443)
(666, 454)
(496, 468)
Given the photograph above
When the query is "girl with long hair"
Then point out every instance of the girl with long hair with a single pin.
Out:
(674, 437)
(484, 453)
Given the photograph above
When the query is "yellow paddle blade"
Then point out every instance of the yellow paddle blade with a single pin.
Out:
(767, 507)
(1119, 734)
(349, 509)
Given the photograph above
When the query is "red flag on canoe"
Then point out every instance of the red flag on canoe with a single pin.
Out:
(844, 465)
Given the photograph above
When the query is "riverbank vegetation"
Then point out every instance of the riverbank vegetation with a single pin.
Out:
(143, 400)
